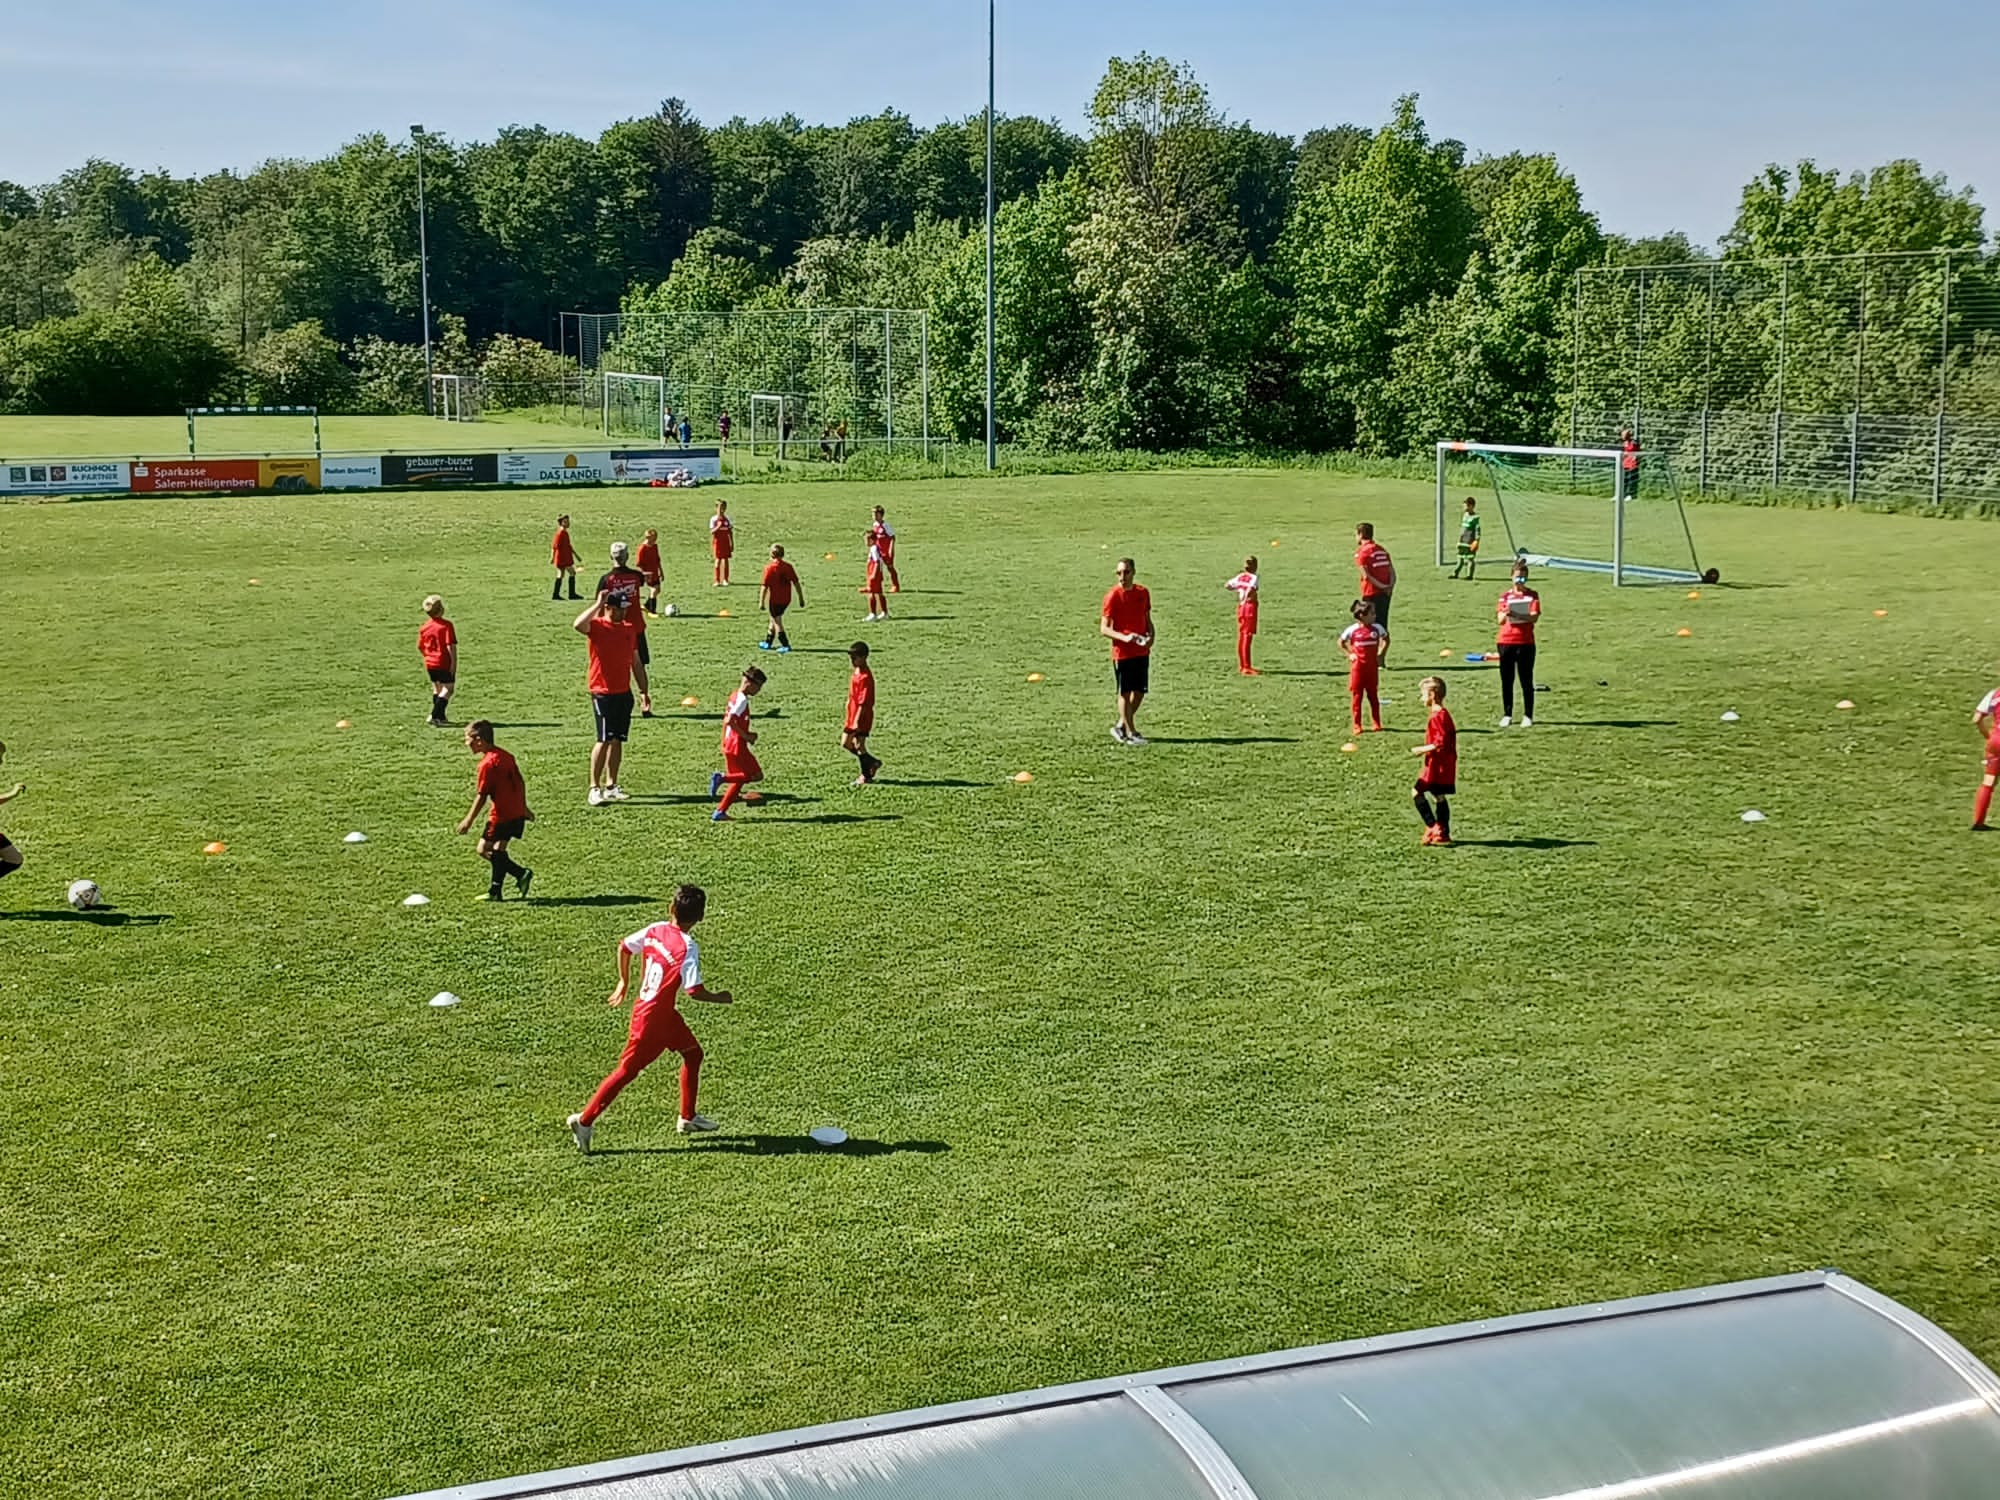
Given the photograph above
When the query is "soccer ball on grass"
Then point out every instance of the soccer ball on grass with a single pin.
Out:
(84, 894)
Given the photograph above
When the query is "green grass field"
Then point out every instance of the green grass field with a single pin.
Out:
(154, 437)
(1174, 1053)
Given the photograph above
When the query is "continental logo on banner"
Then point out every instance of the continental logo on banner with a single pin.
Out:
(289, 476)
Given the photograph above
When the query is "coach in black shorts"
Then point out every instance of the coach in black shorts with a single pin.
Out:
(626, 579)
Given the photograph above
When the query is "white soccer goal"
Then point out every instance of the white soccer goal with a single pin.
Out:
(1565, 508)
(455, 398)
(767, 423)
(635, 406)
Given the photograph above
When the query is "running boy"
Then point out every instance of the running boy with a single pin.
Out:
(1244, 587)
(739, 764)
(670, 968)
(437, 643)
(1468, 541)
(1985, 718)
(562, 552)
(860, 713)
(650, 566)
(721, 542)
(884, 537)
(780, 584)
(1363, 642)
(10, 854)
(1439, 777)
(499, 783)
(878, 602)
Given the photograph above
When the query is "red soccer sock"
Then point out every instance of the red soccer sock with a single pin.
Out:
(1982, 804)
(732, 788)
(690, 1080)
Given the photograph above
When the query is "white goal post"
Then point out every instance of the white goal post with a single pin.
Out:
(455, 398)
(1576, 508)
(767, 422)
(633, 404)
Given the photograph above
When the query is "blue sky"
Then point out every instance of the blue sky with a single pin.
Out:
(1662, 111)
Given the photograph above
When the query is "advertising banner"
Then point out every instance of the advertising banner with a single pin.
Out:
(555, 468)
(350, 473)
(643, 465)
(194, 475)
(288, 476)
(90, 478)
(443, 469)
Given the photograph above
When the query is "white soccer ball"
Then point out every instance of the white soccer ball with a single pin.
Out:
(84, 894)
(671, 609)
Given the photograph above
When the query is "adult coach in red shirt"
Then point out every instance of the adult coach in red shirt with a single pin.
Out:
(1127, 620)
(1378, 577)
(614, 642)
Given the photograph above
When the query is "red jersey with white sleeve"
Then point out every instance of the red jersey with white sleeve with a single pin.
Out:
(861, 701)
(735, 724)
(721, 536)
(435, 641)
(1518, 609)
(884, 539)
(1378, 574)
(1244, 587)
(669, 963)
(1363, 644)
(876, 557)
(1441, 765)
(1989, 707)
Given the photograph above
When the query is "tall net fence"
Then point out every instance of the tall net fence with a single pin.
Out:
(1868, 376)
(862, 369)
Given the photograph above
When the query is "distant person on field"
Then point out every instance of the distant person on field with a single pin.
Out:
(670, 966)
(650, 566)
(10, 853)
(1126, 619)
(840, 442)
(884, 537)
(721, 542)
(1378, 576)
(1363, 641)
(739, 763)
(499, 783)
(878, 600)
(860, 720)
(437, 643)
(1985, 718)
(686, 430)
(1628, 464)
(613, 642)
(1439, 778)
(722, 426)
(1468, 541)
(629, 581)
(562, 552)
(1518, 610)
(826, 442)
(781, 582)
(784, 437)
(1245, 587)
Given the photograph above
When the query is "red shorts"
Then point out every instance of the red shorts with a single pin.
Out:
(721, 544)
(741, 763)
(658, 1028)
(1993, 757)
(1364, 681)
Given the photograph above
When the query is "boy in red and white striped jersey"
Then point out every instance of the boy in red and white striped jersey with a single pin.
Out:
(1986, 719)
(1363, 641)
(740, 766)
(1245, 587)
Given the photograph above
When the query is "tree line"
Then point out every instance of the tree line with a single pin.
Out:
(1169, 278)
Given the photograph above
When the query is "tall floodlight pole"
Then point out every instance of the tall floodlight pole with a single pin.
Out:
(991, 459)
(424, 265)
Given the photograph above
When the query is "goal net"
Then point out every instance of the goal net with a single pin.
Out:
(455, 398)
(248, 430)
(1567, 508)
(635, 406)
(767, 425)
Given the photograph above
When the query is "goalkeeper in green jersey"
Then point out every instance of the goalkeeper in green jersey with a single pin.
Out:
(1468, 541)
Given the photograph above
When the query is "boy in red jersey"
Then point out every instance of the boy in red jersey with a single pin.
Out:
(878, 602)
(614, 644)
(721, 542)
(499, 783)
(10, 854)
(1363, 641)
(1378, 577)
(671, 967)
(860, 713)
(1126, 618)
(562, 552)
(437, 643)
(1244, 587)
(1439, 777)
(884, 537)
(1518, 610)
(740, 766)
(650, 568)
(1986, 719)
(781, 582)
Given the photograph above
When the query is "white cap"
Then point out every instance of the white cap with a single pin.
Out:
(618, 549)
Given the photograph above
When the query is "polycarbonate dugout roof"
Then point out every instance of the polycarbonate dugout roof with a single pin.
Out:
(1807, 1387)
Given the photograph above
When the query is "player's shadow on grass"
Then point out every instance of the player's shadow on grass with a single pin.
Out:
(670, 799)
(805, 1145)
(912, 781)
(1295, 672)
(528, 724)
(1224, 739)
(1540, 843)
(837, 817)
(592, 901)
(1612, 723)
(94, 918)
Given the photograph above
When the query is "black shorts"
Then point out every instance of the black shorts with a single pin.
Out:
(500, 833)
(1438, 788)
(614, 716)
(645, 656)
(778, 610)
(1381, 603)
(442, 676)
(1133, 673)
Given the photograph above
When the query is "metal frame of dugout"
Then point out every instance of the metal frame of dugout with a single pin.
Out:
(1807, 1387)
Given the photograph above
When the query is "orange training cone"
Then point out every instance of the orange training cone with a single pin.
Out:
(217, 847)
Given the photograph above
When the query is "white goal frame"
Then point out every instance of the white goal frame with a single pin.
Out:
(761, 401)
(455, 398)
(659, 397)
(1613, 459)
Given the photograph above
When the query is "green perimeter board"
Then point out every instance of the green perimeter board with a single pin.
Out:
(1167, 1055)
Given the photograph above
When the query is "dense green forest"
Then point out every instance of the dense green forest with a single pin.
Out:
(1171, 278)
